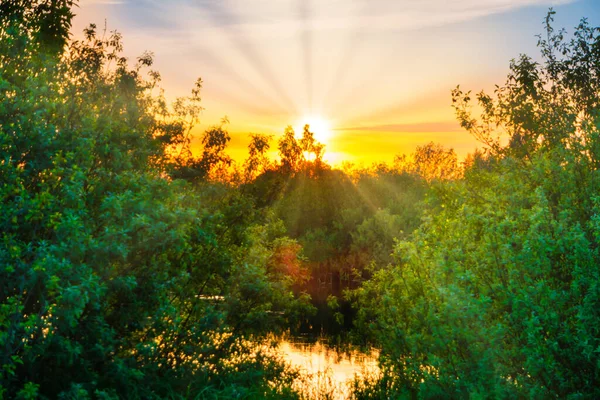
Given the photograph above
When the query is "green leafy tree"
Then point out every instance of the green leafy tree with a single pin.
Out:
(496, 294)
(116, 280)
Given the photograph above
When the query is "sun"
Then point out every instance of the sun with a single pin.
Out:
(318, 125)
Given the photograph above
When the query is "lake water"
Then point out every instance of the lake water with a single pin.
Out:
(327, 369)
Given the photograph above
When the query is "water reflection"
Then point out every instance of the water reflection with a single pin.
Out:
(328, 369)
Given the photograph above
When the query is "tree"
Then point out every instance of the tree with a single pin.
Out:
(117, 280)
(212, 164)
(496, 294)
(289, 151)
(258, 161)
(431, 162)
(297, 155)
(310, 147)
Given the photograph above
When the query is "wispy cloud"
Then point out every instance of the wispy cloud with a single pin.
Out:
(450, 126)
(302, 56)
(260, 15)
(379, 70)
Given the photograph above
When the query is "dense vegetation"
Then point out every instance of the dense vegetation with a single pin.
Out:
(117, 280)
(132, 268)
(497, 293)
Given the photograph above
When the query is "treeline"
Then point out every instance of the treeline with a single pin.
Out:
(132, 268)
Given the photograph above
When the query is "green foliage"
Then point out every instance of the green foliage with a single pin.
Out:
(496, 293)
(117, 280)
(131, 268)
(376, 236)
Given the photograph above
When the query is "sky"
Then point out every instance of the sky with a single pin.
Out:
(372, 77)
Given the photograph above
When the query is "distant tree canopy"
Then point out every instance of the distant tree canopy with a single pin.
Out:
(431, 162)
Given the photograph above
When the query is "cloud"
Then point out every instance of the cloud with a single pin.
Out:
(282, 15)
(306, 56)
(450, 126)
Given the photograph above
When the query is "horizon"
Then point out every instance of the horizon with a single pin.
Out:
(377, 75)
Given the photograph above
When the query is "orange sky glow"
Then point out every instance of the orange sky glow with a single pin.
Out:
(377, 74)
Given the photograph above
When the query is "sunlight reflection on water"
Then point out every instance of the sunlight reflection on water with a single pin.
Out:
(328, 369)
